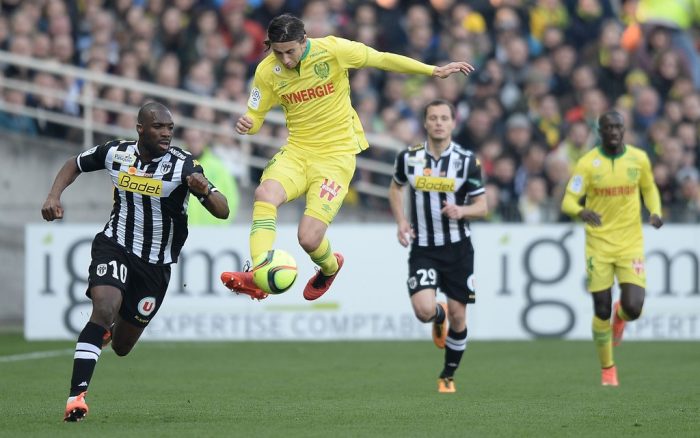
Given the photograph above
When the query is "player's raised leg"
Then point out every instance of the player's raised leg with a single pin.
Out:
(629, 308)
(269, 195)
(105, 306)
(311, 235)
(427, 309)
(329, 182)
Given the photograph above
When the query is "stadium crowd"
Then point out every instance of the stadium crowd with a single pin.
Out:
(546, 69)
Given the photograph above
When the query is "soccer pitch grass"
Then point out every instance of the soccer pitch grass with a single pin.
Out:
(354, 389)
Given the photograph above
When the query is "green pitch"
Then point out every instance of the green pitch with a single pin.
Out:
(354, 389)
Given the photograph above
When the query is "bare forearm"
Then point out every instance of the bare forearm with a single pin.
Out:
(65, 177)
(396, 202)
(217, 205)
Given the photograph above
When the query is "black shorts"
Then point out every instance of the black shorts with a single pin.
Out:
(143, 284)
(449, 268)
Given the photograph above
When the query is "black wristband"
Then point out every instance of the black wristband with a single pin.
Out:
(203, 198)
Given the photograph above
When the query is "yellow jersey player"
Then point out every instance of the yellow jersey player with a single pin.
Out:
(611, 177)
(308, 78)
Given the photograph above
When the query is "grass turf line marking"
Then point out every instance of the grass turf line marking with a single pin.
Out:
(35, 355)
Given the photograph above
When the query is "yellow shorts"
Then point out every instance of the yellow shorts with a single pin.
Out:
(325, 180)
(601, 270)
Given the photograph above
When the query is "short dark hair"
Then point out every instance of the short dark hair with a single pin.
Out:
(147, 109)
(285, 28)
(612, 114)
(438, 102)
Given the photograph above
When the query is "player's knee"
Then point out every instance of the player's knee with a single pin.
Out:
(633, 311)
(103, 314)
(121, 349)
(603, 310)
(424, 314)
(266, 194)
(309, 241)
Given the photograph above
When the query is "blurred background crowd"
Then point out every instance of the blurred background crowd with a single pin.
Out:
(546, 69)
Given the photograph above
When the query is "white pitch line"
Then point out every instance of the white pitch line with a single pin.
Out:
(35, 355)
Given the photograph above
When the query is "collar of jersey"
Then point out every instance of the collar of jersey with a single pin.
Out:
(306, 51)
(154, 160)
(614, 157)
(444, 153)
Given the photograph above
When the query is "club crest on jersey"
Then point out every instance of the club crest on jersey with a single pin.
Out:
(166, 167)
(126, 158)
(147, 305)
(322, 69)
(457, 164)
(633, 174)
(329, 189)
(101, 269)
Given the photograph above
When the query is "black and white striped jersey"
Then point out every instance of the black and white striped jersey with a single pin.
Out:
(453, 177)
(149, 215)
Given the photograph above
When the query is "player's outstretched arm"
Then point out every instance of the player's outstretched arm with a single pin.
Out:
(403, 64)
(52, 208)
(452, 68)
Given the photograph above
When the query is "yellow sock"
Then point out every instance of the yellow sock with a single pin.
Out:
(264, 228)
(621, 313)
(323, 257)
(602, 336)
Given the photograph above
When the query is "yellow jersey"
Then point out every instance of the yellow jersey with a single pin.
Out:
(315, 96)
(612, 187)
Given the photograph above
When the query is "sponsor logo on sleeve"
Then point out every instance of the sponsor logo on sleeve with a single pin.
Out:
(255, 97)
(577, 184)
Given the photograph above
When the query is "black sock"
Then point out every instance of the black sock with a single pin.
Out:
(455, 344)
(87, 351)
(439, 317)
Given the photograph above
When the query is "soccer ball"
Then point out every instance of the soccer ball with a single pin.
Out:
(274, 271)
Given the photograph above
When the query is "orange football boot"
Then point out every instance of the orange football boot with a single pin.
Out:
(446, 384)
(440, 330)
(76, 408)
(618, 326)
(320, 283)
(242, 283)
(609, 376)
